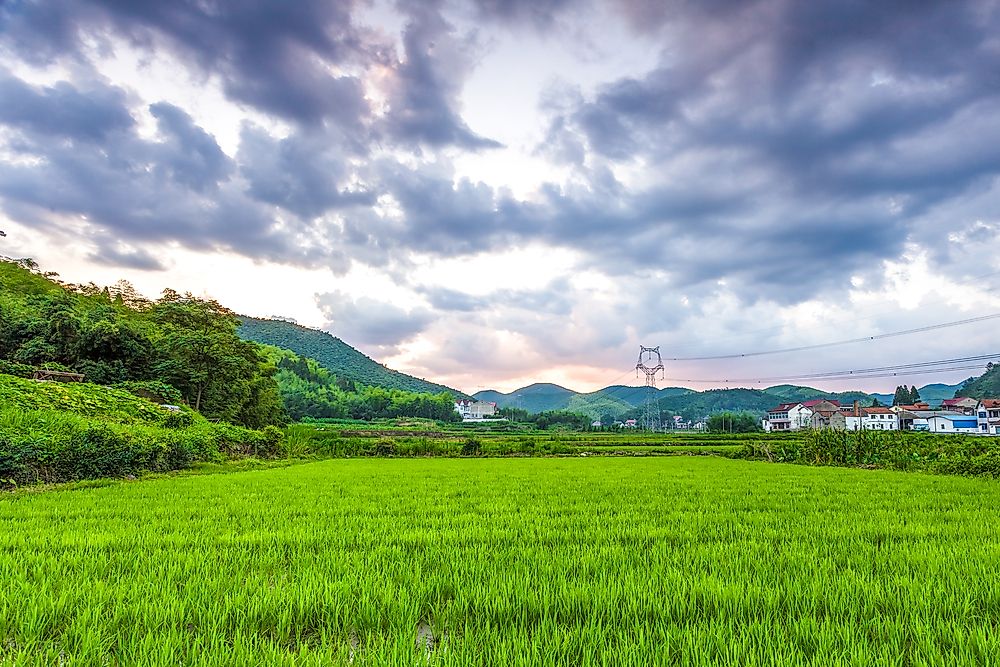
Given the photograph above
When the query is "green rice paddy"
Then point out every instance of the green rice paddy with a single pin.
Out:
(568, 561)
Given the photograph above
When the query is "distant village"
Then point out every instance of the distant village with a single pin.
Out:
(955, 415)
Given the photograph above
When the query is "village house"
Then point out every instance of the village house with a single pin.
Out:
(953, 422)
(857, 418)
(788, 417)
(966, 406)
(472, 410)
(988, 416)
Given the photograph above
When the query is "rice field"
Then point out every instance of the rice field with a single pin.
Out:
(569, 561)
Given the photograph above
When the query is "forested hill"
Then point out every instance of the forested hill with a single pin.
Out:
(986, 385)
(620, 401)
(334, 355)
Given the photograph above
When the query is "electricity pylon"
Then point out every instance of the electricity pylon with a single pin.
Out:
(650, 363)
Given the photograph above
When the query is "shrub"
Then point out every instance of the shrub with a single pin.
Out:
(472, 447)
(17, 370)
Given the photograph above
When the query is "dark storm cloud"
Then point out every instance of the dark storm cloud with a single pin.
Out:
(302, 173)
(371, 322)
(89, 113)
(109, 254)
(188, 154)
(541, 13)
(782, 145)
(177, 187)
(846, 122)
(426, 85)
(272, 55)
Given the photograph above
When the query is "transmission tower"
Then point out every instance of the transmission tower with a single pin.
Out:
(650, 363)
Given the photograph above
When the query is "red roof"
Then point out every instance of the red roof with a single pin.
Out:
(784, 407)
(877, 411)
(954, 401)
(817, 401)
(991, 403)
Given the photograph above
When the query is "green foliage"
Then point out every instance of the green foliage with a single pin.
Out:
(47, 446)
(153, 390)
(986, 385)
(115, 337)
(624, 562)
(310, 391)
(336, 356)
(17, 370)
(733, 422)
(80, 398)
(900, 450)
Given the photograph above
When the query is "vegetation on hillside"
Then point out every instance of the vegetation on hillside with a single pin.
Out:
(57, 432)
(113, 335)
(310, 391)
(334, 355)
(986, 385)
(624, 402)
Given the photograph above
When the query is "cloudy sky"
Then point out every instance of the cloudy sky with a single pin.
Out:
(495, 192)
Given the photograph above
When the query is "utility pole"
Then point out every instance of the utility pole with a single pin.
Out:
(650, 363)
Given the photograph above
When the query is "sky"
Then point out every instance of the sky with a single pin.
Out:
(492, 193)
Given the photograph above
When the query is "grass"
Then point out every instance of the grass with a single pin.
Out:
(573, 561)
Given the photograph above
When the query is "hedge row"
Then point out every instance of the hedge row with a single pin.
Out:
(898, 450)
(46, 446)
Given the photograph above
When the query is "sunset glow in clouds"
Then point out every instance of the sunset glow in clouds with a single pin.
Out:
(493, 193)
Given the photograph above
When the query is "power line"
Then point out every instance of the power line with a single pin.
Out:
(817, 346)
(865, 313)
(855, 377)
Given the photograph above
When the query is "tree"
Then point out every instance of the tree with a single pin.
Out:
(733, 422)
(876, 403)
(914, 395)
(215, 369)
(902, 396)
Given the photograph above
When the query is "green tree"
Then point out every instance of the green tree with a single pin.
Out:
(733, 422)
(902, 396)
(219, 374)
(914, 395)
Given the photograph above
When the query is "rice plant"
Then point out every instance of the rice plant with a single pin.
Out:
(479, 561)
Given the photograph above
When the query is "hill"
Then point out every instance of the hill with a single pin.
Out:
(932, 393)
(986, 385)
(334, 355)
(620, 401)
(788, 393)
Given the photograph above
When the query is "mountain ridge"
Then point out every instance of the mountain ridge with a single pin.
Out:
(335, 355)
(622, 401)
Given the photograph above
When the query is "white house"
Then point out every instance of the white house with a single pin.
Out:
(953, 422)
(475, 409)
(870, 419)
(988, 416)
(787, 417)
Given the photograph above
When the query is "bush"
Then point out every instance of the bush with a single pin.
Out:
(153, 390)
(50, 446)
(384, 447)
(17, 370)
(472, 447)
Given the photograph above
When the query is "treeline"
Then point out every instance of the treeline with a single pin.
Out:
(550, 419)
(114, 336)
(179, 348)
(310, 391)
(904, 396)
